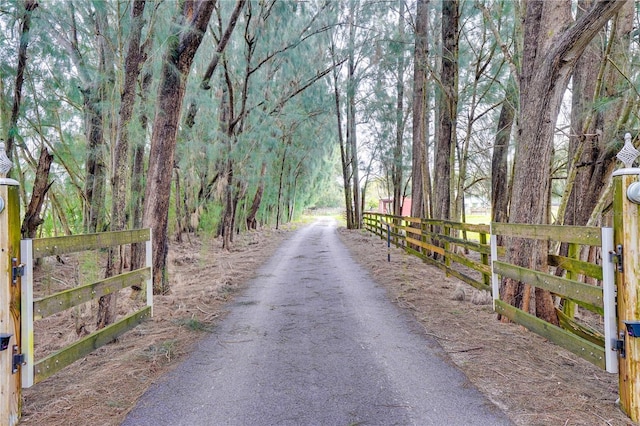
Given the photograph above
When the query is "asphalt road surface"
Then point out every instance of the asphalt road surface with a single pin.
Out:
(314, 341)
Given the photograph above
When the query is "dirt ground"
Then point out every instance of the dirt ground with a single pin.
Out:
(532, 380)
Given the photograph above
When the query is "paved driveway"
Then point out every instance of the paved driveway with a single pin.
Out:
(314, 341)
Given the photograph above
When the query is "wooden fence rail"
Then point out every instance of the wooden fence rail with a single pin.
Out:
(581, 339)
(440, 243)
(33, 309)
(448, 240)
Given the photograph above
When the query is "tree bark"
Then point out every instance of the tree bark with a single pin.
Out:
(420, 163)
(41, 186)
(499, 159)
(448, 101)
(257, 199)
(345, 157)
(280, 182)
(549, 55)
(189, 26)
(398, 198)
(94, 165)
(96, 94)
(29, 7)
(229, 208)
(351, 118)
(137, 179)
(134, 60)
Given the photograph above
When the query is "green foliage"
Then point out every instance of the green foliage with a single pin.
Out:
(210, 219)
(283, 111)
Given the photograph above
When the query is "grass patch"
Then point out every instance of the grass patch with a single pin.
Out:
(483, 219)
(167, 349)
(193, 324)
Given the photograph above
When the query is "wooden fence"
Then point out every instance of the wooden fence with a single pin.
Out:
(581, 339)
(444, 243)
(449, 241)
(33, 309)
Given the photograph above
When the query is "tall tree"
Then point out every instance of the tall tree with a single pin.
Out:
(499, 160)
(397, 166)
(420, 184)
(500, 177)
(136, 55)
(96, 95)
(552, 45)
(25, 27)
(352, 140)
(448, 105)
(189, 28)
(345, 151)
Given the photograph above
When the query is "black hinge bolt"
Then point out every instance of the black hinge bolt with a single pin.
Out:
(17, 270)
(617, 257)
(18, 359)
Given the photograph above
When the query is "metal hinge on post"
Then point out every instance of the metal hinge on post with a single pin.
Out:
(619, 345)
(617, 257)
(18, 359)
(17, 270)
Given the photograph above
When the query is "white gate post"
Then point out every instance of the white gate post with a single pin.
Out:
(495, 281)
(149, 264)
(26, 309)
(609, 302)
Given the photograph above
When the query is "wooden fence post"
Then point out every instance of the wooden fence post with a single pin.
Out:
(10, 383)
(626, 251)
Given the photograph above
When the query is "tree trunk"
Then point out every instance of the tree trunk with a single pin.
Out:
(41, 186)
(281, 179)
(257, 199)
(420, 162)
(499, 160)
(137, 179)
(189, 27)
(190, 116)
(94, 165)
(180, 214)
(549, 55)
(240, 191)
(345, 158)
(229, 209)
(96, 98)
(29, 7)
(448, 101)
(292, 198)
(133, 63)
(351, 118)
(398, 199)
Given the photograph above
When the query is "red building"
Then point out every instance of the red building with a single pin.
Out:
(385, 205)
